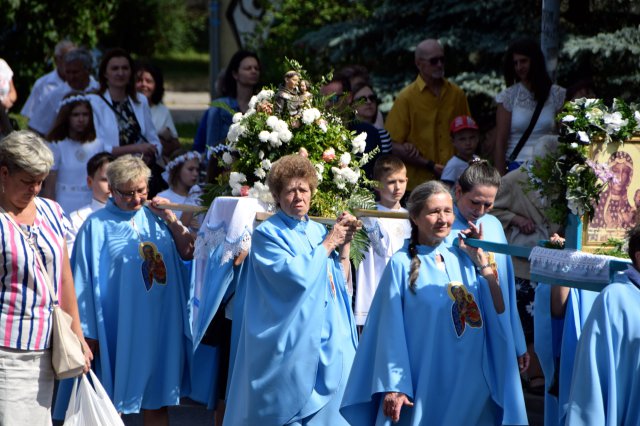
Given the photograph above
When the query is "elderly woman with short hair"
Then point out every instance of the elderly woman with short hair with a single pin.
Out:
(132, 287)
(26, 373)
(298, 338)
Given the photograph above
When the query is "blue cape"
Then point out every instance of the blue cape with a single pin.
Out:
(455, 370)
(493, 231)
(141, 323)
(297, 338)
(605, 389)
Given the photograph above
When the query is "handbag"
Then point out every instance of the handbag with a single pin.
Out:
(67, 353)
(90, 405)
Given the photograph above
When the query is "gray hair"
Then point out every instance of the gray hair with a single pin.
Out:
(63, 47)
(81, 55)
(416, 201)
(421, 194)
(127, 169)
(26, 151)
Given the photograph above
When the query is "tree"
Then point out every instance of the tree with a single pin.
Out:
(29, 30)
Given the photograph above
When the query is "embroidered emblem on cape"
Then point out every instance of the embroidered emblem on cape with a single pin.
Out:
(333, 286)
(464, 310)
(153, 267)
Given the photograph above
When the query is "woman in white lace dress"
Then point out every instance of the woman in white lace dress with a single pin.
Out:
(527, 84)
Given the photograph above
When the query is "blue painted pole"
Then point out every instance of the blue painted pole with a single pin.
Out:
(573, 232)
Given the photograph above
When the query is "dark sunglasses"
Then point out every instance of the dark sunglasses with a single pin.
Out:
(371, 98)
(436, 59)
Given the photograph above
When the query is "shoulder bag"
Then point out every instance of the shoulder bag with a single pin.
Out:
(512, 164)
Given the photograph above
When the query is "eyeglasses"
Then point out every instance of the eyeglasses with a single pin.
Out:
(434, 61)
(335, 98)
(142, 193)
(371, 98)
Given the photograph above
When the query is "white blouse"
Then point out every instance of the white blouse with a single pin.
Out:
(521, 103)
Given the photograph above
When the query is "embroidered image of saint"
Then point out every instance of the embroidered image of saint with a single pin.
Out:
(464, 310)
(153, 267)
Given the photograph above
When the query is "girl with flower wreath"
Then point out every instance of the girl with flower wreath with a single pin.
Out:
(182, 173)
(73, 142)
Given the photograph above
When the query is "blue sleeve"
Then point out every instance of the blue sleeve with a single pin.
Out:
(200, 141)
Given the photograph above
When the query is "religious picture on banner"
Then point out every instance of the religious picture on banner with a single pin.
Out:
(619, 205)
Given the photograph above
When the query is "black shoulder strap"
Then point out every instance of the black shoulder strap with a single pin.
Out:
(527, 133)
(119, 114)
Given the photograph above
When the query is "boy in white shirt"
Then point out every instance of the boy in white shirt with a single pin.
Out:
(386, 235)
(465, 137)
(97, 182)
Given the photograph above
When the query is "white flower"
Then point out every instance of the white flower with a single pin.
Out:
(274, 139)
(235, 131)
(227, 158)
(364, 159)
(236, 178)
(266, 164)
(265, 95)
(253, 101)
(260, 155)
(614, 122)
(260, 173)
(636, 115)
(573, 145)
(351, 175)
(584, 137)
(264, 136)
(568, 118)
(285, 135)
(250, 112)
(272, 121)
(261, 192)
(319, 167)
(310, 115)
(359, 143)
(345, 159)
(322, 124)
(237, 117)
(281, 126)
(589, 102)
(529, 308)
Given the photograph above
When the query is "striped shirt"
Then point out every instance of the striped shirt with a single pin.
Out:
(25, 303)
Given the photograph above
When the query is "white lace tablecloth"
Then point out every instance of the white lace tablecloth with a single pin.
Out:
(229, 221)
(569, 266)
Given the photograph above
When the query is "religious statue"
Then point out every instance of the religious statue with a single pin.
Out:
(288, 97)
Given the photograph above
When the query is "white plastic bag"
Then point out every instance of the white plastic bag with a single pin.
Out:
(90, 405)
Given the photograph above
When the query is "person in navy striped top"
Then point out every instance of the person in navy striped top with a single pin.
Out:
(26, 387)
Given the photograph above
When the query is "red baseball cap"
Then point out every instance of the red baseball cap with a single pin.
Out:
(462, 122)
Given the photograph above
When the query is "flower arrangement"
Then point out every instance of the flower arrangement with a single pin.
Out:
(566, 179)
(257, 138)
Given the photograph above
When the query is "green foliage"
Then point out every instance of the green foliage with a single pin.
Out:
(284, 23)
(146, 27)
(29, 30)
(613, 247)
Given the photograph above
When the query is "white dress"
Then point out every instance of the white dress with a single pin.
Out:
(46, 112)
(5, 78)
(521, 103)
(162, 119)
(70, 162)
(386, 236)
(192, 199)
(77, 219)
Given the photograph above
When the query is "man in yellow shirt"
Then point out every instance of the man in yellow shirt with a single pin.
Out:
(419, 119)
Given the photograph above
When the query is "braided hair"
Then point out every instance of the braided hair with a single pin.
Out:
(417, 199)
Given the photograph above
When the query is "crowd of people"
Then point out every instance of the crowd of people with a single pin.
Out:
(426, 330)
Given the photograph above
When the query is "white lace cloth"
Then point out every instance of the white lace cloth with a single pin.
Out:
(569, 266)
(229, 221)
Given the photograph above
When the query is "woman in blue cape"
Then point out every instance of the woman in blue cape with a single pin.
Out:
(437, 346)
(605, 388)
(132, 287)
(475, 192)
(298, 339)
